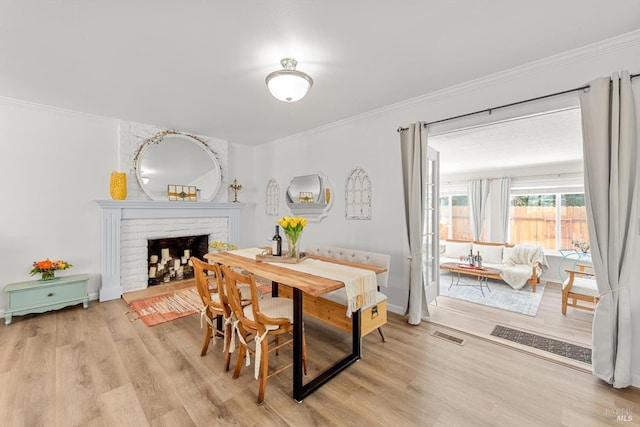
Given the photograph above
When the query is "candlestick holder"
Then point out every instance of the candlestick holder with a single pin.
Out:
(235, 187)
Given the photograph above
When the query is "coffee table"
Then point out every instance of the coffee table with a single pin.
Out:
(481, 273)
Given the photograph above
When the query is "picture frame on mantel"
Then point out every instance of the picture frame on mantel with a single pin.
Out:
(182, 193)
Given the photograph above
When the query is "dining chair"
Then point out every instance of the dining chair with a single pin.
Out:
(260, 321)
(208, 278)
(580, 285)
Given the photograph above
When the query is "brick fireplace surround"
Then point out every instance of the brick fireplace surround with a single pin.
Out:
(126, 225)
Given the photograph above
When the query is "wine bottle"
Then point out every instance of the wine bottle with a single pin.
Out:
(276, 243)
(479, 260)
(471, 257)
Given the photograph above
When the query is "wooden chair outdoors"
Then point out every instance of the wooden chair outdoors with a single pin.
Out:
(263, 319)
(578, 287)
(215, 303)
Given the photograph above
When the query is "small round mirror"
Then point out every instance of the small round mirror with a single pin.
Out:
(171, 158)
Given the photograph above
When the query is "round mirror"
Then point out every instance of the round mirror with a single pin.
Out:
(171, 158)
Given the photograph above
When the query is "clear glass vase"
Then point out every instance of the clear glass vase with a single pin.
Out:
(48, 274)
(293, 246)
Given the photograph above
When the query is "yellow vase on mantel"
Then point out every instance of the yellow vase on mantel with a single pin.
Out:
(118, 188)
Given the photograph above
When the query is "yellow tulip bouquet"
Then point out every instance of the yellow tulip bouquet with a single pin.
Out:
(292, 228)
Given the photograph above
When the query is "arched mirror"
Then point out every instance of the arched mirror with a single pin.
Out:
(173, 158)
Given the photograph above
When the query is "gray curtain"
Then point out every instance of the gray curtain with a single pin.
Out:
(504, 189)
(413, 149)
(611, 180)
(478, 194)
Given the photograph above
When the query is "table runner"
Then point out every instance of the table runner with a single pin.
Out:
(360, 285)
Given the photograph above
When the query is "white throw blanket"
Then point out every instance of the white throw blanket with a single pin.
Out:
(360, 285)
(519, 267)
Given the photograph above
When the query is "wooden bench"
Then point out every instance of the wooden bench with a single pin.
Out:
(332, 307)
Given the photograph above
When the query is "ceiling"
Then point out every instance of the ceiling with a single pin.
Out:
(199, 65)
(513, 145)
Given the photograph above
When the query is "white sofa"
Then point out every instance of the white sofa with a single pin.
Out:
(519, 265)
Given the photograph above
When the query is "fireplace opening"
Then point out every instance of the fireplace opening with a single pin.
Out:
(168, 258)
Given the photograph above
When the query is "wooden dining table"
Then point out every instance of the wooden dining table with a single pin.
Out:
(302, 283)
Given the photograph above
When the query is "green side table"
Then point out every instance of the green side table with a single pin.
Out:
(39, 296)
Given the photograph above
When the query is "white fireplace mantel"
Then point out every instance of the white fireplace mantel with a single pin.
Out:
(114, 211)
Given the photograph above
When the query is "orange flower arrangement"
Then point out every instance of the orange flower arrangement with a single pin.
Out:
(47, 268)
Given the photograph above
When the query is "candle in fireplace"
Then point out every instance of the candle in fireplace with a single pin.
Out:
(153, 259)
(165, 253)
(187, 253)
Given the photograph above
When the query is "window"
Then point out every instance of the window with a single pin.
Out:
(454, 218)
(553, 221)
(532, 220)
(573, 220)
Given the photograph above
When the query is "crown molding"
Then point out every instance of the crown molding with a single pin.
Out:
(51, 108)
(569, 57)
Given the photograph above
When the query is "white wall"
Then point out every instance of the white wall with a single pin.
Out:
(371, 142)
(54, 164)
(241, 168)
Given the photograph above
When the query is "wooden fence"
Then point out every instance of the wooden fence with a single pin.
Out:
(535, 225)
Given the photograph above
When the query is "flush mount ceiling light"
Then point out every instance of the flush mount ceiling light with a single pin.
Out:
(289, 85)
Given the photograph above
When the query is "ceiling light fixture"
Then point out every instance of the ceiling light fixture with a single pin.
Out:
(289, 85)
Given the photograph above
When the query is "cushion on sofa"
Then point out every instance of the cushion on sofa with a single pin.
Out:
(506, 254)
(489, 253)
(457, 249)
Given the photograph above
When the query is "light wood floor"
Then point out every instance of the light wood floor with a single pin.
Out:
(93, 367)
(478, 319)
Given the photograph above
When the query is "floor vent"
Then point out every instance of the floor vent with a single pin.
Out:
(448, 337)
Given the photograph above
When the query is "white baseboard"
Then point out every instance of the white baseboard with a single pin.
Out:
(395, 308)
